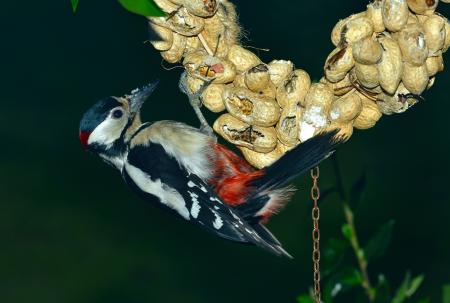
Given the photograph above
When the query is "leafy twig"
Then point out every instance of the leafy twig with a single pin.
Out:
(350, 233)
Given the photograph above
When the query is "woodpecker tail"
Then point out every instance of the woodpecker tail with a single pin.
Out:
(297, 161)
(270, 189)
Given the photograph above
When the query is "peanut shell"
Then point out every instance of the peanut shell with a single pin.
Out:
(390, 67)
(369, 116)
(260, 160)
(212, 97)
(415, 78)
(176, 51)
(397, 103)
(279, 70)
(339, 30)
(192, 45)
(243, 59)
(201, 8)
(367, 75)
(423, 7)
(257, 78)
(447, 36)
(250, 107)
(339, 88)
(181, 22)
(367, 51)
(255, 138)
(346, 108)
(375, 14)
(294, 88)
(239, 81)
(434, 28)
(434, 65)
(166, 6)
(205, 67)
(215, 36)
(318, 103)
(164, 37)
(287, 127)
(413, 44)
(339, 63)
(395, 14)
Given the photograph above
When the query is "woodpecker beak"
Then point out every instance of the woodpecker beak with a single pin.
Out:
(84, 137)
(139, 95)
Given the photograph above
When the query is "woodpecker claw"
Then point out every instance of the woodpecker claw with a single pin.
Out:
(196, 102)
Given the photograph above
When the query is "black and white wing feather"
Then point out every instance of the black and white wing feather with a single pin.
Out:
(157, 177)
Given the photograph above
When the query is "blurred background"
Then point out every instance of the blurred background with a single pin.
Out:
(71, 231)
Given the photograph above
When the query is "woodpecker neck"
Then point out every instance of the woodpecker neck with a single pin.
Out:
(115, 153)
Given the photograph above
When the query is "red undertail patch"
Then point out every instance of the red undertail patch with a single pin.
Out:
(233, 176)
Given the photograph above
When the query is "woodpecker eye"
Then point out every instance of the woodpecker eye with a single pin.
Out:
(117, 114)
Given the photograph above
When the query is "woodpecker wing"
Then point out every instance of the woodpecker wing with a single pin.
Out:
(226, 221)
(154, 173)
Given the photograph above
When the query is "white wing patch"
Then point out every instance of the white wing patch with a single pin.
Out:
(218, 222)
(167, 195)
(195, 208)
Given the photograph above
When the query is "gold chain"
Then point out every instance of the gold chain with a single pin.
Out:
(315, 195)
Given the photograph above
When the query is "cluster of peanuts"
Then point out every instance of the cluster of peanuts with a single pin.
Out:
(385, 58)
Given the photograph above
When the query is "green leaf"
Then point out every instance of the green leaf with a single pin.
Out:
(400, 295)
(142, 7)
(414, 285)
(347, 231)
(424, 300)
(74, 4)
(382, 290)
(357, 190)
(305, 299)
(380, 242)
(341, 282)
(446, 294)
(408, 288)
(332, 255)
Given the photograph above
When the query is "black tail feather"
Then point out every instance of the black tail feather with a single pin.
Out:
(264, 233)
(298, 161)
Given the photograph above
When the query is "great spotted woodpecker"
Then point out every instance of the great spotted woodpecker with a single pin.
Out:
(184, 170)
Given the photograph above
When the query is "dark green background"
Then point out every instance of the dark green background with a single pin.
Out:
(71, 231)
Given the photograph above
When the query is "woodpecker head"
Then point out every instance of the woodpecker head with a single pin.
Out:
(106, 123)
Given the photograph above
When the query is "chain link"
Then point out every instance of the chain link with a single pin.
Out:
(315, 213)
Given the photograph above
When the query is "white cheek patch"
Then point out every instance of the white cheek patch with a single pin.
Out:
(107, 132)
(167, 195)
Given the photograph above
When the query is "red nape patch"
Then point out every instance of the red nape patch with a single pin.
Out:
(233, 176)
(84, 137)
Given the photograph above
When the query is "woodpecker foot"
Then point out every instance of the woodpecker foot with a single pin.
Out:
(196, 102)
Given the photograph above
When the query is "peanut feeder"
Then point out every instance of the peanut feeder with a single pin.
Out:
(385, 58)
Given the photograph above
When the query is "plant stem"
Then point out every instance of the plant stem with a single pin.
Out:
(359, 252)
(349, 218)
